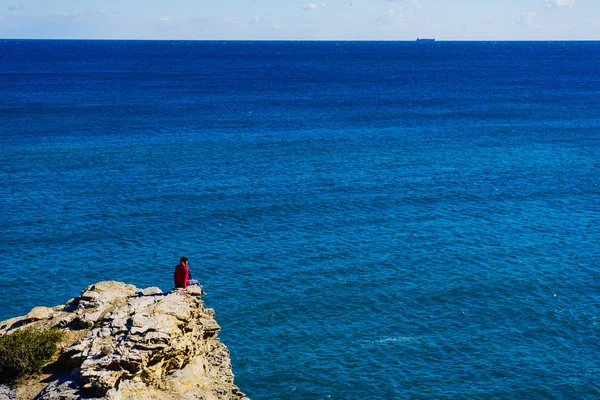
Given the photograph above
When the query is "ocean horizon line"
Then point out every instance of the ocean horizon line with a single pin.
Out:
(310, 40)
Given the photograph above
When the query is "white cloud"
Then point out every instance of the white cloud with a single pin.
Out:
(527, 18)
(15, 7)
(559, 3)
(312, 6)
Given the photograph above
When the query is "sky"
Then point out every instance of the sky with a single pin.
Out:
(301, 20)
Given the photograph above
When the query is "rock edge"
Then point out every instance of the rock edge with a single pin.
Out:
(125, 343)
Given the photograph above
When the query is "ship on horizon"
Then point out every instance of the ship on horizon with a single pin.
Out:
(425, 40)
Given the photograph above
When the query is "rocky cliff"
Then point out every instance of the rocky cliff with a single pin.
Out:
(123, 343)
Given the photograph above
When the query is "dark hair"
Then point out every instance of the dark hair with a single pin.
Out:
(183, 259)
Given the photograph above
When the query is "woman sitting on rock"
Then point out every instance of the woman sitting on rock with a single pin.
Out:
(182, 276)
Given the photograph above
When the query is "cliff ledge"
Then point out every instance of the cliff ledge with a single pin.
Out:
(123, 343)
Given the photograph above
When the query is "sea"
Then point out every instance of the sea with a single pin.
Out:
(373, 220)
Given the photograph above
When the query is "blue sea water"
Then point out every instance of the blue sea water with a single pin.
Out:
(378, 220)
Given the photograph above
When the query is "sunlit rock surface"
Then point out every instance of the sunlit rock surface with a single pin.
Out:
(126, 343)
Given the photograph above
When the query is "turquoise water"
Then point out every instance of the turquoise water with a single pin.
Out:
(381, 220)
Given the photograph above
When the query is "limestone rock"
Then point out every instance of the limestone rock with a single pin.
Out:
(127, 343)
(61, 389)
(150, 291)
(6, 393)
(39, 313)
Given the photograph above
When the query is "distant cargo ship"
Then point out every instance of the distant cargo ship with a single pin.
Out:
(425, 40)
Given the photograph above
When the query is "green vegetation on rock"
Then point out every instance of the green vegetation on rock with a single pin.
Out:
(26, 351)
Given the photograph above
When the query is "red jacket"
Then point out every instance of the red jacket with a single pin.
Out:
(181, 276)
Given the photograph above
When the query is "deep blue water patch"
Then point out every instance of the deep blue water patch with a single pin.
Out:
(370, 219)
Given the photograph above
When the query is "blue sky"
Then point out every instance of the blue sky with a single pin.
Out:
(302, 20)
